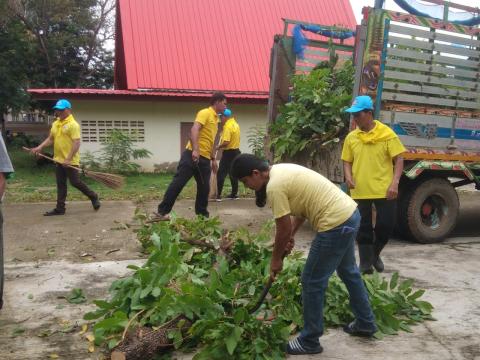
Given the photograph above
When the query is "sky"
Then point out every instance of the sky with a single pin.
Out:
(357, 6)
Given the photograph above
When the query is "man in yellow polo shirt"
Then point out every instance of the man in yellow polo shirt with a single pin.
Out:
(373, 166)
(65, 137)
(230, 144)
(197, 160)
(296, 194)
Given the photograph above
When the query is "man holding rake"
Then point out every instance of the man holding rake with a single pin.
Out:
(65, 137)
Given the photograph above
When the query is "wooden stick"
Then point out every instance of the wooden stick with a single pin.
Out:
(113, 181)
(55, 161)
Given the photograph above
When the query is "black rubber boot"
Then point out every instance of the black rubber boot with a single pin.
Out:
(366, 258)
(378, 263)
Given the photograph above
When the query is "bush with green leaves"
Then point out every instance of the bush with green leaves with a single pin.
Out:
(256, 140)
(215, 289)
(314, 116)
(117, 153)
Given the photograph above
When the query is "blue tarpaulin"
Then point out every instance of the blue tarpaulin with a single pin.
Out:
(300, 41)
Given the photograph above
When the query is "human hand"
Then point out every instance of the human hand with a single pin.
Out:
(195, 155)
(36, 150)
(290, 246)
(392, 192)
(350, 183)
(276, 266)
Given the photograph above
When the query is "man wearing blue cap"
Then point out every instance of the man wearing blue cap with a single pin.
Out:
(65, 137)
(373, 166)
(230, 144)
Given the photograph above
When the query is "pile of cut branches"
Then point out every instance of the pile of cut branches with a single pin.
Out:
(314, 117)
(196, 295)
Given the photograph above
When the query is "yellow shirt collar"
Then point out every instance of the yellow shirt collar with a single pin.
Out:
(379, 133)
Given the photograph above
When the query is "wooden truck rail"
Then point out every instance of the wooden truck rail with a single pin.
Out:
(424, 77)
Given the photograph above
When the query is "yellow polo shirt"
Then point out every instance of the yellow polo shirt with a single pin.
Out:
(298, 191)
(371, 154)
(231, 132)
(63, 133)
(209, 120)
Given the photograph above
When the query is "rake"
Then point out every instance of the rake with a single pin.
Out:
(112, 181)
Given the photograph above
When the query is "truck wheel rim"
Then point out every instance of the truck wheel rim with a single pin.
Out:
(433, 211)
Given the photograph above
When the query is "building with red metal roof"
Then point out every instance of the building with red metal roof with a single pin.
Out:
(174, 51)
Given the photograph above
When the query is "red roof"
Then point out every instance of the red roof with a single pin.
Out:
(100, 94)
(208, 45)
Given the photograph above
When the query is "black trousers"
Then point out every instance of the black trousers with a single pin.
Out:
(384, 223)
(224, 170)
(64, 173)
(185, 170)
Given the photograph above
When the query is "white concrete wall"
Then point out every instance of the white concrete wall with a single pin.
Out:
(162, 123)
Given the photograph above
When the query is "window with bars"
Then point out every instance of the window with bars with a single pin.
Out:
(97, 130)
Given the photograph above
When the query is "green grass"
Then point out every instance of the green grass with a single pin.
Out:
(33, 183)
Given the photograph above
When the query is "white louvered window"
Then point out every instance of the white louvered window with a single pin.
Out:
(97, 130)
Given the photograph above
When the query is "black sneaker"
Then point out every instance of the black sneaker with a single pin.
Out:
(95, 203)
(54, 212)
(295, 347)
(354, 330)
(232, 197)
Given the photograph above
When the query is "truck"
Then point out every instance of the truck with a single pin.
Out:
(423, 75)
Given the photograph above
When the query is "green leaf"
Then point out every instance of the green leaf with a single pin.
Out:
(406, 285)
(232, 340)
(113, 342)
(425, 307)
(156, 291)
(417, 294)
(394, 281)
(76, 296)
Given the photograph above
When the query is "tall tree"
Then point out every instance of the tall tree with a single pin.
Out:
(70, 41)
(14, 55)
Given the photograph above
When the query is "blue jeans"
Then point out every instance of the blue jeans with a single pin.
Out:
(333, 250)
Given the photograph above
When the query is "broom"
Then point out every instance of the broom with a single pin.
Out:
(112, 181)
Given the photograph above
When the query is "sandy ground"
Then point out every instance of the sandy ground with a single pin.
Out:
(47, 257)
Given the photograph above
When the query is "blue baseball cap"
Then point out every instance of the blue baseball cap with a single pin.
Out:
(227, 112)
(62, 104)
(361, 103)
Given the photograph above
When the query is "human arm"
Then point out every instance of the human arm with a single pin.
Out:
(283, 234)
(194, 135)
(347, 170)
(296, 223)
(392, 191)
(223, 145)
(73, 151)
(47, 142)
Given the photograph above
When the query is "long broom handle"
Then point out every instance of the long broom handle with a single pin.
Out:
(55, 161)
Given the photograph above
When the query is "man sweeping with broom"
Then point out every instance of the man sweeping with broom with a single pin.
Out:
(65, 137)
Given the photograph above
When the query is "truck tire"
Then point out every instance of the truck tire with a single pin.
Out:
(431, 211)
